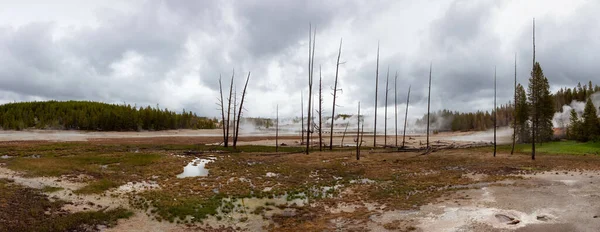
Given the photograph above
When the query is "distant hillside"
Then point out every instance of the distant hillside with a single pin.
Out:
(87, 115)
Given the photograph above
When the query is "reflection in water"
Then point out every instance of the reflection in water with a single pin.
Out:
(196, 168)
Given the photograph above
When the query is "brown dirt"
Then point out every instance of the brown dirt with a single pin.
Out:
(448, 190)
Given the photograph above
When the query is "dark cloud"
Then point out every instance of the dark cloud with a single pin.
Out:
(564, 48)
(172, 53)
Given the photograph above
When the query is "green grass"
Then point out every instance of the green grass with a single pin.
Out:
(168, 208)
(89, 163)
(98, 186)
(560, 147)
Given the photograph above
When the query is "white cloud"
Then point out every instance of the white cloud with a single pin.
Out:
(171, 53)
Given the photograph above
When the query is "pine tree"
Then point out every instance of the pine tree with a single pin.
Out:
(546, 103)
(574, 132)
(541, 105)
(591, 125)
(522, 115)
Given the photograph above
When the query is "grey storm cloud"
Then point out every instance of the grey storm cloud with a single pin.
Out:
(171, 53)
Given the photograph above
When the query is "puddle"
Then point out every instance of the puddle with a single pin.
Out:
(196, 168)
(251, 203)
(253, 213)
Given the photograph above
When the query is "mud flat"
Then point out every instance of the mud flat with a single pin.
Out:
(549, 201)
(262, 138)
(253, 188)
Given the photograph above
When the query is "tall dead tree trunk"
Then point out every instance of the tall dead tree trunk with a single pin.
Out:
(396, 107)
(495, 113)
(234, 112)
(534, 121)
(277, 128)
(335, 89)
(512, 150)
(237, 129)
(362, 134)
(429, 104)
(314, 112)
(309, 63)
(310, 81)
(224, 124)
(376, 85)
(358, 141)
(385, 119)
(229, 108)
(302, 115)
(406, 116)
(344, 134)
(320, 110)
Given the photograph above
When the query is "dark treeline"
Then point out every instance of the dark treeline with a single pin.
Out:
(587, 127)
(446, 120)
(87, 115)
(565, 96)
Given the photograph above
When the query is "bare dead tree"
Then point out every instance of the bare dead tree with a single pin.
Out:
(396, 106)
(229, 108)
(335, 90)
(385, 119)
(406, 116)
(344, 134)
(514, 111)
(277, 128)
(320, 110)
(429, 104)
(495, 112)
(310, 82)
(309, 63)
(234, 111)
(302, 115)
(534, 116)
(237, 130)
(362, 134)
(314, 112)
(376, 84)
(357, 133)
(224, 124)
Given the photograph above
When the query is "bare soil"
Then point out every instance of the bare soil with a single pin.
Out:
(446, 190)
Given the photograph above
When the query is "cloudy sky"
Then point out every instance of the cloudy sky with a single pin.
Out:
(171, 53)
